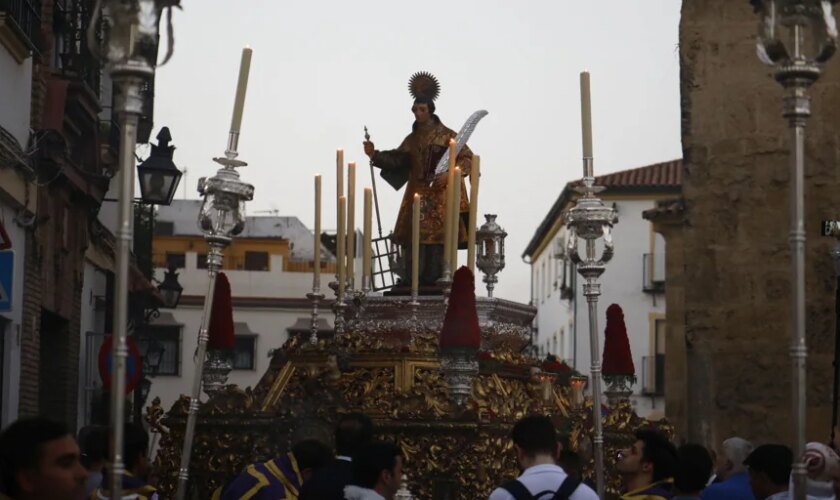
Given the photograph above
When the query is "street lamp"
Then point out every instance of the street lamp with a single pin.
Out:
(796, 37)
(159, 177)
(132, 28)
(170, 290)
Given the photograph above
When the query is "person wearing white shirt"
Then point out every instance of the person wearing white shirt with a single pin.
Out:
(537, 449)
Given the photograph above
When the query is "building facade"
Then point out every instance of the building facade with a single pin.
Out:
(269, 266)
(634, 279)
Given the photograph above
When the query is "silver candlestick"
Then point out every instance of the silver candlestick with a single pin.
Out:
(132, 30)
(221, 218)
(590, 219)
(315, 296)
(796, 37)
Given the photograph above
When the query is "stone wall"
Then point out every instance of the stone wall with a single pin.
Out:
(735, 233)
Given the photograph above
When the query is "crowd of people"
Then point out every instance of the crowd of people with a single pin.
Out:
(41, 459)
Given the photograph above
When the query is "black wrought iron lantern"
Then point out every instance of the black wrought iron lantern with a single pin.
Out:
(170, 290)
(159, 177)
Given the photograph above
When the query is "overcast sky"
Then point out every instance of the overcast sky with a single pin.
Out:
(323, 70)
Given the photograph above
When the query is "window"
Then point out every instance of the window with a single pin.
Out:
(176, 260)
(550, 276)
(168, 337)
(201, 261)
(554, 345)
(660, 355)
(164, 228)
(243, 352)
(256, 261)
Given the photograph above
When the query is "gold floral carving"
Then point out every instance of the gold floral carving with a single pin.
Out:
(392, 375)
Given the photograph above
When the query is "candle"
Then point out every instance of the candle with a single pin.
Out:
(475, 175)
(586, 121)
(415, 246)
(339, 173)
(316, 280)
(447, 219)
(351, 224)
(241, 87)
(456, 219)
(339, 190)
(368, 224)
(342, 206)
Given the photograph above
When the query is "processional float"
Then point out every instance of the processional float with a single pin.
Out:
(447, 395)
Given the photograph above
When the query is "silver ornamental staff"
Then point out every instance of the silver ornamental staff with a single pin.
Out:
(130, 69)
(220, 219)
(590, 219)
(797, 68)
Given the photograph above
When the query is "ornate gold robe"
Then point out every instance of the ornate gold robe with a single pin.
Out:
(416, 159)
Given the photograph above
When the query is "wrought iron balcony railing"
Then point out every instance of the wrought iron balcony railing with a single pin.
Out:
(73, 56)
(26, 15)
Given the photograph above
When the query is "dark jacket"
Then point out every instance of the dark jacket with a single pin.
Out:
(328, 482)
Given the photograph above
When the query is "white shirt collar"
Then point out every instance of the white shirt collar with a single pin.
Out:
(537, 469)
(343, 457)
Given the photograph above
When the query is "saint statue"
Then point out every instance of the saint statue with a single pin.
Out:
(413, 164)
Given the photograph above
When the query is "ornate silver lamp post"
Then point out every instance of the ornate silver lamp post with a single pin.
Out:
(222, 216)
(490, 255)
(130, 52)
(590, 219)
(796, 37)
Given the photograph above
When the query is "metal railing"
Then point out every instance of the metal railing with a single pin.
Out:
(26, 15)
(653, 272)
(74, 57)
(653, 375)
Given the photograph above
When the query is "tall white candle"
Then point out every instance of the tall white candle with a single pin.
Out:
(475, 175)
(341, 264)
(415, 245)
(351, 224)
(241, 88)
(586, 122)
(316, 280)
(366, 251)
(456, 219)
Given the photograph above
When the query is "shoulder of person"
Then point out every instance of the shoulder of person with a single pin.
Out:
(500, 494)
(584, 492)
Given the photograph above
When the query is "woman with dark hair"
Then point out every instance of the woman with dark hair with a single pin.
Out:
(414, 162)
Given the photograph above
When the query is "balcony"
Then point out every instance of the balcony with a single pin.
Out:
(653, 273)
(24, 18)
(73, 56)
(653, 375)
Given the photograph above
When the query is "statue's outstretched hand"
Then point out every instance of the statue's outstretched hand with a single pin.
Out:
(369, 150)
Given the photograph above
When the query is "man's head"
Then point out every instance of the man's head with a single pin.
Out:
(534, 436)
(378, 466)
(94, 443)
(731, 458)
(423, 109)
(694, 467)
(39, 459)
(649, 459)
(311, 455)
(136, 448)
(769, 468)
(354, 430)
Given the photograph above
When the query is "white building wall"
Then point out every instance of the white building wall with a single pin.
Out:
(622, 284)
(92, 332)
(269, 325)
(10, 389)
(16, 82)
